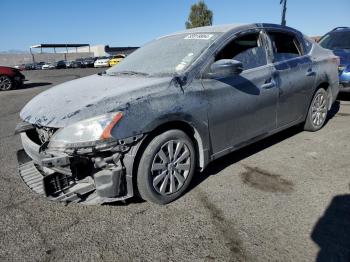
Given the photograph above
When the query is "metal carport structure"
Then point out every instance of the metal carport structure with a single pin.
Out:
(54, 46)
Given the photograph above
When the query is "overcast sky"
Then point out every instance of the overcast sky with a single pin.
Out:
(134, 22)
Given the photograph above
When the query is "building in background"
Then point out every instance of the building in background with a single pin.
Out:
(103, 50)
(55, 52)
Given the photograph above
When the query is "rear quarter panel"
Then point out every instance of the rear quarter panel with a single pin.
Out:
(326, 68)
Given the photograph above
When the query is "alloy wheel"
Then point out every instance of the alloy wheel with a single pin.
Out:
(319, 110)
(170, 167)
(5, 83)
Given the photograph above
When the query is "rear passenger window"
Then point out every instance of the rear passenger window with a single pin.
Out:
(285, 46)
(247, 49)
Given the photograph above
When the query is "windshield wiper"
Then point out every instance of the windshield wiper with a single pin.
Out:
(128, 73)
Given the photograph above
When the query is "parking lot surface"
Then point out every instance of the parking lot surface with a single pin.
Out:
(286, 198)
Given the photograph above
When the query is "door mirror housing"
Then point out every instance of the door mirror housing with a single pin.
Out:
(225, 68)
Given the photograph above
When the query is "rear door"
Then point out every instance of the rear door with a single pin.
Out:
(294, 75)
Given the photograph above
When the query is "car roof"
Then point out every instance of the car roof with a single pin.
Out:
(226, 28)
(340, 29)
(211, 29)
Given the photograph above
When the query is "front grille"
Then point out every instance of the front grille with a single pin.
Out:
(56, 183)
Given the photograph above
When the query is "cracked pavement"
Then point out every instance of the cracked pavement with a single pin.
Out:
(275, 200)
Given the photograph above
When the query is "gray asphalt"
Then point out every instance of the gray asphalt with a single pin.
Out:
(286, 198)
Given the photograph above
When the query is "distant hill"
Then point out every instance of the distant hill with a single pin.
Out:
(316, 38)
(13, 51)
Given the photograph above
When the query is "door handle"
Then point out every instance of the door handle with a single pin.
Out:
(310, 72)
(268, 85)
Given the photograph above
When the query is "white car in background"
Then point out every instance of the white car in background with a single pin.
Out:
(48, 66)
(102, 62)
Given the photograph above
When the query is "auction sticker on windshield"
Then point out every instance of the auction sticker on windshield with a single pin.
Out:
(198, 36)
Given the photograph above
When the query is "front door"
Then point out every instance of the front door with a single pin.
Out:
(241, 107)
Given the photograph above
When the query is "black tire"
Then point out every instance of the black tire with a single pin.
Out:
(319, 105)
(6, 83)
(19, 84)
(145, 176)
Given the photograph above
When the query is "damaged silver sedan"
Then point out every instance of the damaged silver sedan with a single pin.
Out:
(144, 126)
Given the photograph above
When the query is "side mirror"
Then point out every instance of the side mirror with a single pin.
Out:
(225, 68)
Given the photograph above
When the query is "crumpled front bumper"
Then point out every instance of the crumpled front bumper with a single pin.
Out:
(50, 174)
(40, 182)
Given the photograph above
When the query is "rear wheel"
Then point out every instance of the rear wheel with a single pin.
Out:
(166, 167)
(318, 111)
(6, 83)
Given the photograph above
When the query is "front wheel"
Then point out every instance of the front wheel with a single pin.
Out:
(318, 111)
(166, 167)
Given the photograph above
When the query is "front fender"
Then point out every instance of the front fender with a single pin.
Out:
(144, 115)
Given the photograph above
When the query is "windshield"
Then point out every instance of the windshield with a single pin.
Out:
(336, 41)
(165, 56)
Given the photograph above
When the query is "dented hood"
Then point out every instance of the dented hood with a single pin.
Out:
(87, 97)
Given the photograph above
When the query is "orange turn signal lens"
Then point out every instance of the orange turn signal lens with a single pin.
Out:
(107, 131)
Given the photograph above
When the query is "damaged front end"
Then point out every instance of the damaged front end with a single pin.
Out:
(90, 173)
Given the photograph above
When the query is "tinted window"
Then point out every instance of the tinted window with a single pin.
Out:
(285, 46)
(247, 49)
(336, 40)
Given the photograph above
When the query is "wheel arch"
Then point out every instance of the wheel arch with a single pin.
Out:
(190, 130)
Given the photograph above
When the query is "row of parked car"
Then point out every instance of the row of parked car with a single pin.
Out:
(104, 61)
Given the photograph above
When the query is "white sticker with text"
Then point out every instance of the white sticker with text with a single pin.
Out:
(199, 36)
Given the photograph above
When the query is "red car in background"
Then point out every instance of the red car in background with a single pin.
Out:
(10, 78)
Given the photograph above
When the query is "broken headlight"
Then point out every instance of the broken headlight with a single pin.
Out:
(87, 132)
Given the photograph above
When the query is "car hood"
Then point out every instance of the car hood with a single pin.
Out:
(87, 97)
(344, 55)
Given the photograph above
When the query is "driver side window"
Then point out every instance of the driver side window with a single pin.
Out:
(247, 49)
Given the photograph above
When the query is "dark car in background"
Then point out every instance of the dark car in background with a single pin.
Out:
(69, 64)
(61, 64)
(39, 66)
(171, 107)
(10, 78)
(338, 40)
(29, 66)
(89, 61)
(78, 63)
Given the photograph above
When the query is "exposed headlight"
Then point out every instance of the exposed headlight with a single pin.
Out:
(87, 132)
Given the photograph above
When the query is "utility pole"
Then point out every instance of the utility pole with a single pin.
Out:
(284, 10)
